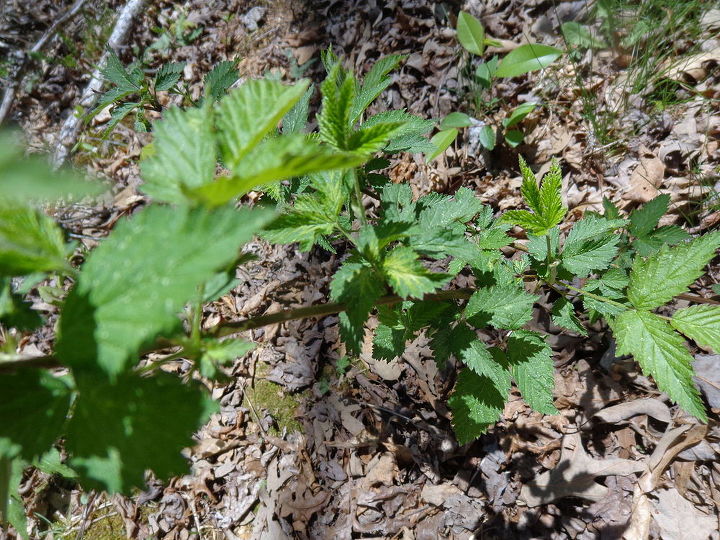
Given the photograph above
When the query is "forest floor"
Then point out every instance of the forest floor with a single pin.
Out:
(309, 444)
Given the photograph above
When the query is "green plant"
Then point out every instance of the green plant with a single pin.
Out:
(181, 252)
(133, 92)
(524, 59)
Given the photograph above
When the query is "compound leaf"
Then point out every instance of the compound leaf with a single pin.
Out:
(134, 284)
(661, 353)
(699, 323)
(375, 82)
(591, 245)
(662, 276)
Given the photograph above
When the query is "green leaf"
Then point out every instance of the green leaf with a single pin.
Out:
(487, 138)
(168, 75)
(652, 242)
(134, 284)
(485, 72)
(564, 316)
(358, 286)
(112, 424)
(407, 276)
(216, 353)
(388, 342)
(470, 33)
(591, 245)
(518, 114)
(335, 118)
(368, 140)
(477, 403)
(375, 82)
(545, 201)
(662, 276)
(699, 323)
(611, 211)
(296, 119)
(15, 509)
(184, 156)
(246, 115)
(530, 360)
(439, 211)
(30, 242)
(661, 353)
(456, 120)
(504, 307)
(32, 412)
(579, 35)
(526, 58)
(118, 114)
(441, 140)
(115, 72)
(645, 219)
(14, 312)
(220, 78)
(409, 136)
(514, 137)
(474, 353)
(312, 217)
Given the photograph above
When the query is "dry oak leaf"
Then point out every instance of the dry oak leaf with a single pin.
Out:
(575, 474)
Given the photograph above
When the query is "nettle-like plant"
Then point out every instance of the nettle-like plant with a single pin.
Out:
(521, 60)
(118, 414)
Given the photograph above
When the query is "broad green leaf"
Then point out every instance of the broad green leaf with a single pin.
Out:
(518, 114)
(661, 353)
(579, 35)
(441, 140)
(335, 118)
(388, 343)
(119, 430)
(375, 82)
(358, 286)
(220, 78)
(312, 217)
(407, 275)
(397, 202)
(485, 72)
(475, 354)
(645, 219)
(441, 243)
(531, 364)
(526, 58)
(33, 408)
(134, 284)
(699, 323)
(30, 242)
(654, 240)
(25, 179)
(477, 403)
(168, 75)
(487, 138)
(564, 316)
(662, 276)
(247, 114)
(470, 33)
(514, 137)
(591, 245)
(439, 211)
(504, 307)
(456, 120)
(409, 136)
(274, 159)
(184, 156)
(368, 140)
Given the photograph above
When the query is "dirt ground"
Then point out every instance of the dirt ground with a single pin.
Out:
(308, 445)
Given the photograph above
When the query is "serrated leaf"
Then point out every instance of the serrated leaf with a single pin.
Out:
(220, 78)
(699, 323)
(247, 114)
(397, 203)
(33, 408)
(441, 140)
(407, 276)
(368, 140)
(438, 211)
(409, 136)
(526, 58)
(476, 404)
(112, 423)
(296, 119)
(134, 284)
(118, 114)
(564, 316)
(168, 75)
(645, 219)
(185, 155)
(475, 354)
(311, 217)
(654, 240)
(115, 72)
(30, 242)
(661, 353)
(374, 83)
(662, 276)
(530, 359)
(591, 245)
(388, 343)
(504, 307)
(335, 118)
(358, 286)
(470, 33)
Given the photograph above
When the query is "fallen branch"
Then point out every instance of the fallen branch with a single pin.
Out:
(25, 57)
(71, 127)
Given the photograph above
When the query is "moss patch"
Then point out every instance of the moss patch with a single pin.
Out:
(281, 404)
(105, 525)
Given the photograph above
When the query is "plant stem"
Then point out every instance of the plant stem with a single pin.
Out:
(196, 322)
(550, 259)
(594, 296)
(5, 477)
(321, 310)
(358, 198)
